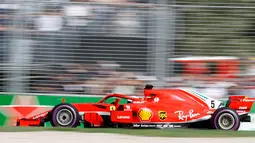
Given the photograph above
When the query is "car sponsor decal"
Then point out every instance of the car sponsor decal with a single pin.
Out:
(112, 108)
(162, 115)
(156, 99)
(123, 117)
(127, 108)
(156, 126)
(185, 117)
(247, 100)
(138, 102)
(145, 114)
(243, 107)
(41, 115)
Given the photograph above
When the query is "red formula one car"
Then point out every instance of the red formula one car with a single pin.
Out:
(158, 108)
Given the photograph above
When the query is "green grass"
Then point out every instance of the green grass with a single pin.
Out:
(140, 132)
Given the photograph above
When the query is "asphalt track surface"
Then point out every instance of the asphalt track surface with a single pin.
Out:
(75, 137)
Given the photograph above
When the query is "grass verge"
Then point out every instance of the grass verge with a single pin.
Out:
(140, 132)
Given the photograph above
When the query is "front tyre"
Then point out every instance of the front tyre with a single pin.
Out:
(65, 115)
(225, 119)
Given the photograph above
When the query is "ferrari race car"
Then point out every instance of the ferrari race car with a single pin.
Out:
(160, 108)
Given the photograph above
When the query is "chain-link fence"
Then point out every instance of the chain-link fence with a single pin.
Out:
(97, 48)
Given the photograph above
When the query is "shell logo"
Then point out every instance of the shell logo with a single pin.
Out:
(145, 114)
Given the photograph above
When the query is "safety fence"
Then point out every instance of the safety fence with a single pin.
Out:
(98, 48)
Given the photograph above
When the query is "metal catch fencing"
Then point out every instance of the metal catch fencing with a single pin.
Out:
(93, 48)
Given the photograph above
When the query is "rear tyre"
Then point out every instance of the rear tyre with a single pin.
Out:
(225, 119)
(65, 115)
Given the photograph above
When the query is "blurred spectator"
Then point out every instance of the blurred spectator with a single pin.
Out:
(6, 12)
(102, 19)
(127, 23)
(5, 26)
(50, 20)
(48, 24)
(77, 14)
(251, 68)
(109, 1)
(234, 90)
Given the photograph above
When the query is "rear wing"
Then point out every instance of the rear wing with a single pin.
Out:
(242, 104)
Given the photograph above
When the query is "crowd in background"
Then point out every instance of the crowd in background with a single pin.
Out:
(51, 31)
(104, 77)
(45, 28)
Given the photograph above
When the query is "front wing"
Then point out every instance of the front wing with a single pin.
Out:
(37, 120)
